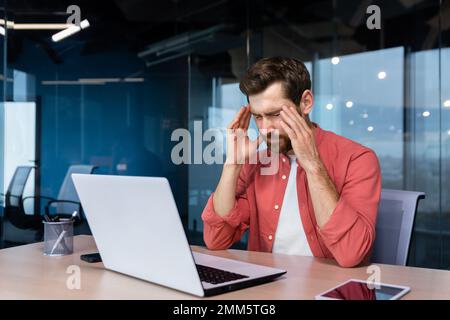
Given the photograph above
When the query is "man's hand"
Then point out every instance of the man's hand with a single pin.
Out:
(239, 147)
(239, 150)
(323, 192)
(302, 139)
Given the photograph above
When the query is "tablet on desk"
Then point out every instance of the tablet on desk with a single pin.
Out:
(362, 290)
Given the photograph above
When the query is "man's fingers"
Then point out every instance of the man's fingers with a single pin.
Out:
(247, 119)
(236, 119)
(288, 130)
(298, 119)
(293, 125)
(243, 118)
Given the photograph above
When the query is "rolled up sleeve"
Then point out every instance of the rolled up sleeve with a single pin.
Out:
(221, 232)
(350, 232)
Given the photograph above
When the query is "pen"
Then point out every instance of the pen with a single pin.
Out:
(61, 235)
(58, 241)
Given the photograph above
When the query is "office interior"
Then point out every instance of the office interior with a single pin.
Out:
(108, 98)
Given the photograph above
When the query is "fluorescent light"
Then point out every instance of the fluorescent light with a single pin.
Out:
(133, 79)
(335, 60)
(447, 103)
(370, 128)
(70, 82)
(426, 114)
(349, 104)
(70, 31)
(86, 80)
(329, 106)
(90, 81)
(381, 75)
(2, 31)
(41, 26)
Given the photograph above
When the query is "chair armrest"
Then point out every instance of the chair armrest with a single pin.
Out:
(39, 197)
(11, 195)
(47, 207)
(35, 197)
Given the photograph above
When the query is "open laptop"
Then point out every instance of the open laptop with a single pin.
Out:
(138, 232)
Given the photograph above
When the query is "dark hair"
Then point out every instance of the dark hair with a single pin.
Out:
(292, 73)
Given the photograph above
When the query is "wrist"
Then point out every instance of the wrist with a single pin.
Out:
(315, 168)
(232, 169)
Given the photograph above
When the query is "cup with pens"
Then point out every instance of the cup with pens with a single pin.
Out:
(58, 235)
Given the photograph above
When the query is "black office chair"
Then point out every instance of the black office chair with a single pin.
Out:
(14, 211)
(67, 200)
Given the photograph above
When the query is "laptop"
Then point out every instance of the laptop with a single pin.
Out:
(138, 232)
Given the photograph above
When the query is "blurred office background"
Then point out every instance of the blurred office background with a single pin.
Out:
(111, 95)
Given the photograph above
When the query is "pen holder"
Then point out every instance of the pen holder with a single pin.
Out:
(58, 237)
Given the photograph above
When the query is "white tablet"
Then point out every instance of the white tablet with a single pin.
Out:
(354, 289)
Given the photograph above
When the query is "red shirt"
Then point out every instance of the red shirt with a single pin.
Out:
(349, 233)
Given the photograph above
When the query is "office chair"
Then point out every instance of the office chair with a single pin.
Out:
(14, 211)
(394, 226)
(67, 200)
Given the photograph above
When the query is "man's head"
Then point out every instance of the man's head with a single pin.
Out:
(272, 83)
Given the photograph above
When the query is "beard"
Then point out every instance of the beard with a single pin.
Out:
(284, 143)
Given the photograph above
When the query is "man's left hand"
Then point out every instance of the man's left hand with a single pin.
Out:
(302, 139)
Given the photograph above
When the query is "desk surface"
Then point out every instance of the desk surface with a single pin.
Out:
(25, 273)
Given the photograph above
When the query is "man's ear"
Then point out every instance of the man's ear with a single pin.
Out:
(306, 102)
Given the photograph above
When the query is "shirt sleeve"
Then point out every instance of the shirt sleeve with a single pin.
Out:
(350, 232)
(221, 232)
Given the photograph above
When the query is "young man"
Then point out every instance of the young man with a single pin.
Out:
(323, 199)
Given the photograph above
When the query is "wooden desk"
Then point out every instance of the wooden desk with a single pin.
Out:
(25, 273)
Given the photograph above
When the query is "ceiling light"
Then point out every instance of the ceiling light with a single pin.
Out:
(335, 60)
(70, 31)
(349, 104)
(381, 75)
(329, 106)
(426, 114)
(41, 26)
(134, 79)
(447, 103)
(370, 128)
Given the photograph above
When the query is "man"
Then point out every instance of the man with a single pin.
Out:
(323, 199)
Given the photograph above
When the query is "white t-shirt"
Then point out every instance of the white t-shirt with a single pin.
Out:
(290, 237)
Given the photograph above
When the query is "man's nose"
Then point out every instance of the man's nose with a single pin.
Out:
(267, 125)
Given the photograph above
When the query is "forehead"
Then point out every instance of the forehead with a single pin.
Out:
(271, 99)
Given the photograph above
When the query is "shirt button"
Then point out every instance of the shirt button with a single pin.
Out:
(270, 237)
(283, 177)
(276, 207)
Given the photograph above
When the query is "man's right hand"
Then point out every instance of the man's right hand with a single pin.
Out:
(239, 147)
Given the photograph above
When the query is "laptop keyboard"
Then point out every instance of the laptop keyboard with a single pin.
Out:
(216, 276)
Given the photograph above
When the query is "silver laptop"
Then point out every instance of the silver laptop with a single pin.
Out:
(138, 232)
